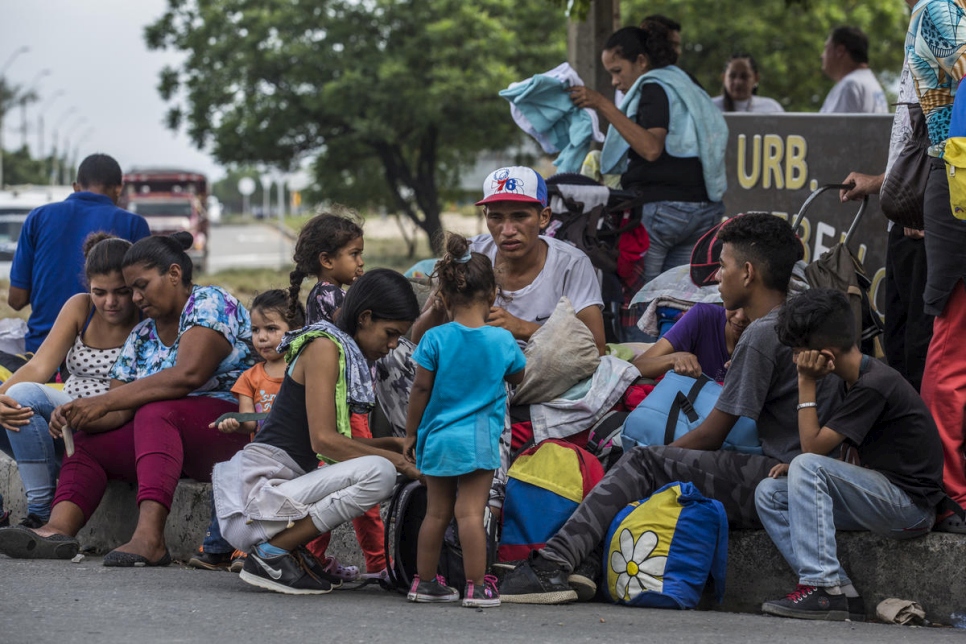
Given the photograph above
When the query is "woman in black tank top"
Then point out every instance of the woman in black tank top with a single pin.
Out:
(273, 520)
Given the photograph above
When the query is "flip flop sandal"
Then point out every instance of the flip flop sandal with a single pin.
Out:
(23, 543)
(118, 559)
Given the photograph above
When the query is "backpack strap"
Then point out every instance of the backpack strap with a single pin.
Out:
(684, 402)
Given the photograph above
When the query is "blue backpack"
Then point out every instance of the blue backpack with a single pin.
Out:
(659, 552)
(677, 405)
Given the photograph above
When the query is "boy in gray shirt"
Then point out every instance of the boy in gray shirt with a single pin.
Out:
(757, 257)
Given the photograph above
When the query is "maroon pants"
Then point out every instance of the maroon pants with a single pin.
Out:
(165, 441)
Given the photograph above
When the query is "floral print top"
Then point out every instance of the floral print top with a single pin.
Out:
(143, 354)
(324, 300)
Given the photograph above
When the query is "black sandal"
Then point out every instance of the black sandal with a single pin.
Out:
(20, 542)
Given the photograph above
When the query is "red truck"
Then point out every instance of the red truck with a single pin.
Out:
(171, 200)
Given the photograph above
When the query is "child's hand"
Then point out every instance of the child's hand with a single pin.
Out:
(814, 364)
(779, 470)
(228, 426)
(409, 470)
(409, 448)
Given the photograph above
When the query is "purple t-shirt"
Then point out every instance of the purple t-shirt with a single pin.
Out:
(701, 332)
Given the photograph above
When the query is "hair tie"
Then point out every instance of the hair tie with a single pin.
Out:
(465, 258)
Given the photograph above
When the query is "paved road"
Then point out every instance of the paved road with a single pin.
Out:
(56, 601)
(254, 246)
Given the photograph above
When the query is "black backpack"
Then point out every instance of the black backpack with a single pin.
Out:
(406, 512)
(604, 438)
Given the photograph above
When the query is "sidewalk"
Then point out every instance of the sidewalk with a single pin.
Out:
(58, 601)
(928, 570)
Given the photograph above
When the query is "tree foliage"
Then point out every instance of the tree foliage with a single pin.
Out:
(786, 39)
(391, 96)
(19, 168)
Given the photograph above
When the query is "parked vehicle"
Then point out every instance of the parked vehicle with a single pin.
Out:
(171, 200)
(15, 204)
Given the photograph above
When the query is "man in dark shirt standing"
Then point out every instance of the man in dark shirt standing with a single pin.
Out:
(48, 266)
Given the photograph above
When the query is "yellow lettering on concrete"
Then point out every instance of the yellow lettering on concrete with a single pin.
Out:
(796, 168)
(748, 180)
(771, 166)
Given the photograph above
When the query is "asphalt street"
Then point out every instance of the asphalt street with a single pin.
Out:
(63, 602)
(251, 246)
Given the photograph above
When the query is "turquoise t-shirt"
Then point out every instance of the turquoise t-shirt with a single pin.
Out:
(460, 429)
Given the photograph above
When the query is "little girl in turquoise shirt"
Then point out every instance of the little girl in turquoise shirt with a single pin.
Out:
(456, 413)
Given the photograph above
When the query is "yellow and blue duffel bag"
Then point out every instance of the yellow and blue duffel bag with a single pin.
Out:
(660, 552)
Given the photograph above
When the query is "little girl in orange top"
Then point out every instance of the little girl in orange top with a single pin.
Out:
(272, 318)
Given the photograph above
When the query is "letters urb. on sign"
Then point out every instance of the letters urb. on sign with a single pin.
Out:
(775, 161)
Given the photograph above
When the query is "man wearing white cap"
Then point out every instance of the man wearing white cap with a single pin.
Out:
(532, 272)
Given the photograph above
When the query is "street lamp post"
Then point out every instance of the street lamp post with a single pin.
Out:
(266, 181)
(80, 141)
(26, 97)
(65, 167)
(21, 50)
(54, 163)
(280, 178)
(40, 122)
(3, 70)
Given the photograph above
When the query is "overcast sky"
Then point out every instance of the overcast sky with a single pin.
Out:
(96, 55)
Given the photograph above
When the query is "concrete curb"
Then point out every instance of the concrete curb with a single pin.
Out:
(927, 570)
(115, 519)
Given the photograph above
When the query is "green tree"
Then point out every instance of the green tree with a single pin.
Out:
(227, 189)
(786, 39)
(400, 90)
(19, 168)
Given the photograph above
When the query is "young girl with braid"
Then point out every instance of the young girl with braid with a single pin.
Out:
(329, 248)
(455, 421)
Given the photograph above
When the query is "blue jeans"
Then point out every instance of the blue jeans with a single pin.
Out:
(674, 227)
(37, 454)
(821, 495)
(214, 543)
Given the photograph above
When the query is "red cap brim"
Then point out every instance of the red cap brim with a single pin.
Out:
(509, 196)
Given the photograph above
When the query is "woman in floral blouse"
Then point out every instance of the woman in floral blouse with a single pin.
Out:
(172, 379)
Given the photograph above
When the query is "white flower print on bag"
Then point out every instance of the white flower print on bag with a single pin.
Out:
(636, 569)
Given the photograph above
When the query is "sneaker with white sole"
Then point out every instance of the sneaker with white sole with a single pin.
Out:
(536, 581)
(286, 574)
(485, 596)
(432, 591)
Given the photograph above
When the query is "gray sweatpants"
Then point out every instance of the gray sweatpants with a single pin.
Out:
(729, 477)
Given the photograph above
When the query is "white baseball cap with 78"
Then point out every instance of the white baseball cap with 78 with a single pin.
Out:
(514, 183)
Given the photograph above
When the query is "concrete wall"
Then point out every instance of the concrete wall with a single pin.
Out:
(115, 519)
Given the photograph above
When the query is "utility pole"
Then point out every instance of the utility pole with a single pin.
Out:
(585, 42)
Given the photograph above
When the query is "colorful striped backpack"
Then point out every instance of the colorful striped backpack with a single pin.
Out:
(544, 486)
(659, 552)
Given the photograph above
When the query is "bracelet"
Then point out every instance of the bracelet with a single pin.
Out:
(806, 405)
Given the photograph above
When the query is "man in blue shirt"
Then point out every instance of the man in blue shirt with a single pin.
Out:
(48, 267)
